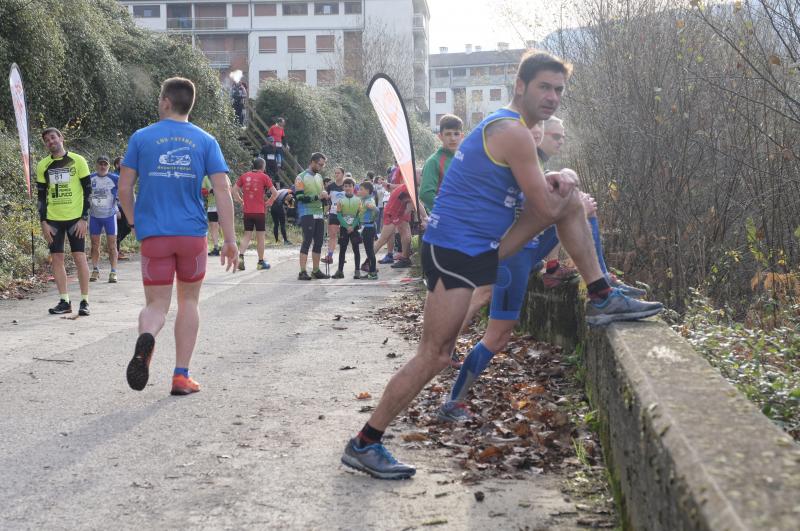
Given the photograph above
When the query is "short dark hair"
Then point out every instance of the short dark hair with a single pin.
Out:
(349, 181)
(450, 121)
(52, 130)
(368, 186)
(370, 175)
(535, 61)
(180, 92)
(259, 163)
(317, 156)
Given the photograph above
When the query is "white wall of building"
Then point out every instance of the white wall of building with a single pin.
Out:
(485, 106)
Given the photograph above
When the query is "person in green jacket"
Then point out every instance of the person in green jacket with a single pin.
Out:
(348, 212)
(450, 133)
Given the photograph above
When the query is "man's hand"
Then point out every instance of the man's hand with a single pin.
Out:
(589, 205)
(563, 182)
(230, 254)
(81, 228)
(423, 223)
(323, 195)
(48, 236)
(350, 230)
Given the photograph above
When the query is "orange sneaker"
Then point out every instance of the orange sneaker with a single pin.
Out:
(181, 385)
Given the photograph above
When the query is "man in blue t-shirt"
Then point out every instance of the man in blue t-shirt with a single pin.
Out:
(170, 159)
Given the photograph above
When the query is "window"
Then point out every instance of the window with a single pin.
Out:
(267, 45)
(511, 70)
(352, 8)
(326, 78)
(297, 44)
(326, 8)
(325, 43)
(497, 70)
(441, 97)
(441, 73)
(477, 96)
(264, 75)
(240, 10)
(265, 10)
(147, 11)
(478, 71)
(495, 94)
(477, 117)
(298, 76)
(459, 72)
(295, 9)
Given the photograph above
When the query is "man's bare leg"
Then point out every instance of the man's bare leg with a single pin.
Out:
(95, 251)
(246, 237)
(111, 245)
(83, 272)
(187, 322)
(405, 238)
(303, 261)
(59, 272)
(154, 314)
(260, 244)
(387, 238)
(480, 298)
(443, 315)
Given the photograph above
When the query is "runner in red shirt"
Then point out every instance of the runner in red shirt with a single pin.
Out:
(397, 218)
(278, 133)
(250, 190)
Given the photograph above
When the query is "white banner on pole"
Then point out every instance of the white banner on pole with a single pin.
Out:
(21, 113)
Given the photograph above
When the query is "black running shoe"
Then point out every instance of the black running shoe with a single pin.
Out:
(303, 275)
(62, 307)
(338, 274)
(139, 367)
(319, 275)
(83, 309)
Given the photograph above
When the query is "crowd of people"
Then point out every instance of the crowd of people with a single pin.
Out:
(489, 210)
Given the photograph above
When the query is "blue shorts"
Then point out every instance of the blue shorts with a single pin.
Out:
(96, 226)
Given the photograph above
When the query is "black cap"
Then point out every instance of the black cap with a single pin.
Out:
(104, 158)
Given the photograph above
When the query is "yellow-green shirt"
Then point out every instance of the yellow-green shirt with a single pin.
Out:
(64, 191)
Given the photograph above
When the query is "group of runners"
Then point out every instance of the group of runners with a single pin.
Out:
(495, 215)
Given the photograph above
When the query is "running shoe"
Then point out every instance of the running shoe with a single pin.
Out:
(388, 259)
(630, 291)
(357, 275)
(95, 275)
(619, 307)
(112, 277)
(122, 256)
(327, 260)
(338, 274)
(287, 242)
(139, 367)
(402, 263)
(241, 262)
(454, 411)
(319, 275)
(214, 252)
(376, 461)
(83, 309)
(262, 265)
(303, 275)
(62, 307)
(562, 275)
(181, 385)
(372, 276)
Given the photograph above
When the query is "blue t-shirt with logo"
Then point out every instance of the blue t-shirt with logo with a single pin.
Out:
(171, 158)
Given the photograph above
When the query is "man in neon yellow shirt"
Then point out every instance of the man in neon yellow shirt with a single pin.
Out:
(63, 188)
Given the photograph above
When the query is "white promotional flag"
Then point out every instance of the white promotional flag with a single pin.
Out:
(392, 115)
(21, 112)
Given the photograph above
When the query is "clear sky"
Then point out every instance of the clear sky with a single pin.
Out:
(455, 23)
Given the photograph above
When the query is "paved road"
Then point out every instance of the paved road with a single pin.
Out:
(258, 448)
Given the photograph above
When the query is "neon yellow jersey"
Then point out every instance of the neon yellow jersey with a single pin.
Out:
(64, 191)
(311, 185)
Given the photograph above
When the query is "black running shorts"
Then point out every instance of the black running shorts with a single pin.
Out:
(333, 219)
(456, 269)
(66, 229)
(213, 217)
(255, 221)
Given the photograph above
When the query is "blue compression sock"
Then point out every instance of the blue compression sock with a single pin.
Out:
(477, 360)
(181, 371)
(598, 244)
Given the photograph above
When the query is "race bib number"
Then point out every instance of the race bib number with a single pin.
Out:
(59, 175)
(270, 157)
(349, 220)
(317, 216)
(278, 144)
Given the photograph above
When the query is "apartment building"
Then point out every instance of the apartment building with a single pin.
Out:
(471, 84)
(313, 42)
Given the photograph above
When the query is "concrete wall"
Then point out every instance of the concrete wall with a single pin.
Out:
(685, 449)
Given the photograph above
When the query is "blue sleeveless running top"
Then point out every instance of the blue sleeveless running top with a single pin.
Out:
(478, 196)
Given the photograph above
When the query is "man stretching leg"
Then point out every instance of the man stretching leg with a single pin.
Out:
(170, 159)
(494, 164)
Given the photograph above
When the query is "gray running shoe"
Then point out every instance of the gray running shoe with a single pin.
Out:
(376, 461)
(630, 291)
(620, 307)
(454, 411)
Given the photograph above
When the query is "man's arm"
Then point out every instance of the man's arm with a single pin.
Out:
(430, 182)
(273, 196)
(222, 192)
(127, 180)
(236, 193)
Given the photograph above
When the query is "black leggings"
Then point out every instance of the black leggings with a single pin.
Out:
(355, 239)
(313, 230)
(123, 229)
(278, 219)
(368, 236)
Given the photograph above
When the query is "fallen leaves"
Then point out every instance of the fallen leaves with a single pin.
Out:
(364, 395)
(415, 437)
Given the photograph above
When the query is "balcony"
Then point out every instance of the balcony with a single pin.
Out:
(197, 24)
(419, 24)
(223, 60)
(420, 58)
